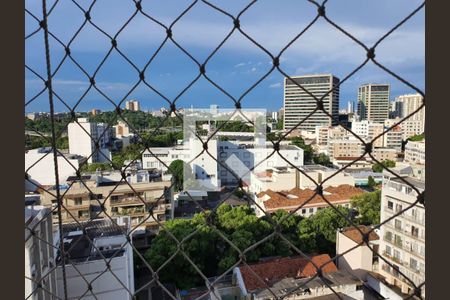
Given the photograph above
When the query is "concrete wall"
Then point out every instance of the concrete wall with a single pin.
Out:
(359, 258)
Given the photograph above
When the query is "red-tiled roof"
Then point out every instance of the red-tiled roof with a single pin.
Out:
(279, 200)
(277, 269)
(353, 234)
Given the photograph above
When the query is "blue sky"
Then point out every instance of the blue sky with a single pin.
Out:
(237, 65)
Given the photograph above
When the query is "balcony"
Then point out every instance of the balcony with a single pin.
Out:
(128, 201)
(420, 238)
(405, 248)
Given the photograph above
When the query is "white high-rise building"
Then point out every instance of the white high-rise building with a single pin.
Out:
(403, 238)
(416, 123)
(83, 137)
(350, 107)
(411, 103)
(373, 102)
(298, 104)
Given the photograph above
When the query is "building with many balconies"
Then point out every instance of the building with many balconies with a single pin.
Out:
(402, 240)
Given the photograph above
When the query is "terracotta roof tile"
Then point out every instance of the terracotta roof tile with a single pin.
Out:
(287, 267)
(280, 200)
(353, 234)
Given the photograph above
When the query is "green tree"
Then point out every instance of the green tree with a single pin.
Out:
(417, 137)
(322, 159)
(176, 168)
(280, 123)
(318, 232)
(307, 149)
(368, 206)
(371, 182)
(386, 163)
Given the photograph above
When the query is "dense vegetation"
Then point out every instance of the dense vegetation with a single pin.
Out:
(385, 163)
(213, 255)
(368, 206)
(417, 138)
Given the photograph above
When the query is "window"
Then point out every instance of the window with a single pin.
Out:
(78, 201)
(311, 210)
(114, 198)
(398, 240)
(388, 250)
(390, 205)
(398, 207)
(304, 211)
(414, 231)
(397, 255)
(114, 209)
(413, 264)
(388, 236)
(398, 224)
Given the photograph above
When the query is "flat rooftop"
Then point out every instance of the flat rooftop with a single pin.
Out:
(78, 239)
(414, 181)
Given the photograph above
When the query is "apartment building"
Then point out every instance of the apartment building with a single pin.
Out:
(410, 103)
(393, 138)
(385, 153)
(39, 254)
(415, 152)
(298, 104)
(133, 105)
(368, 130)
(269, 201)
(242, 157)
(90, 246)
(83, 137)
(40, 165)
(347, 147)
(238, 156)
(147, 202)
(408, 127)
(373, 102)
(324, 134)
(403, 237)
(280, 179)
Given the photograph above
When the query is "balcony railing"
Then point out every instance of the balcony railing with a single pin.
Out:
(405, 248)
(420, 238)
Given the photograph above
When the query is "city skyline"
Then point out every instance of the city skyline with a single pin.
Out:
(237, 65)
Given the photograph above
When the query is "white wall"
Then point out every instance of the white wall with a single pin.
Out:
(358, 258)
(107, 286)
(44, 170)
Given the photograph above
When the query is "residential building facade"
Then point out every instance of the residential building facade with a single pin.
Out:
(83, 137)
(403, 237)
(373, 102)
(298, 104)
(148, 203)
(415, 152)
